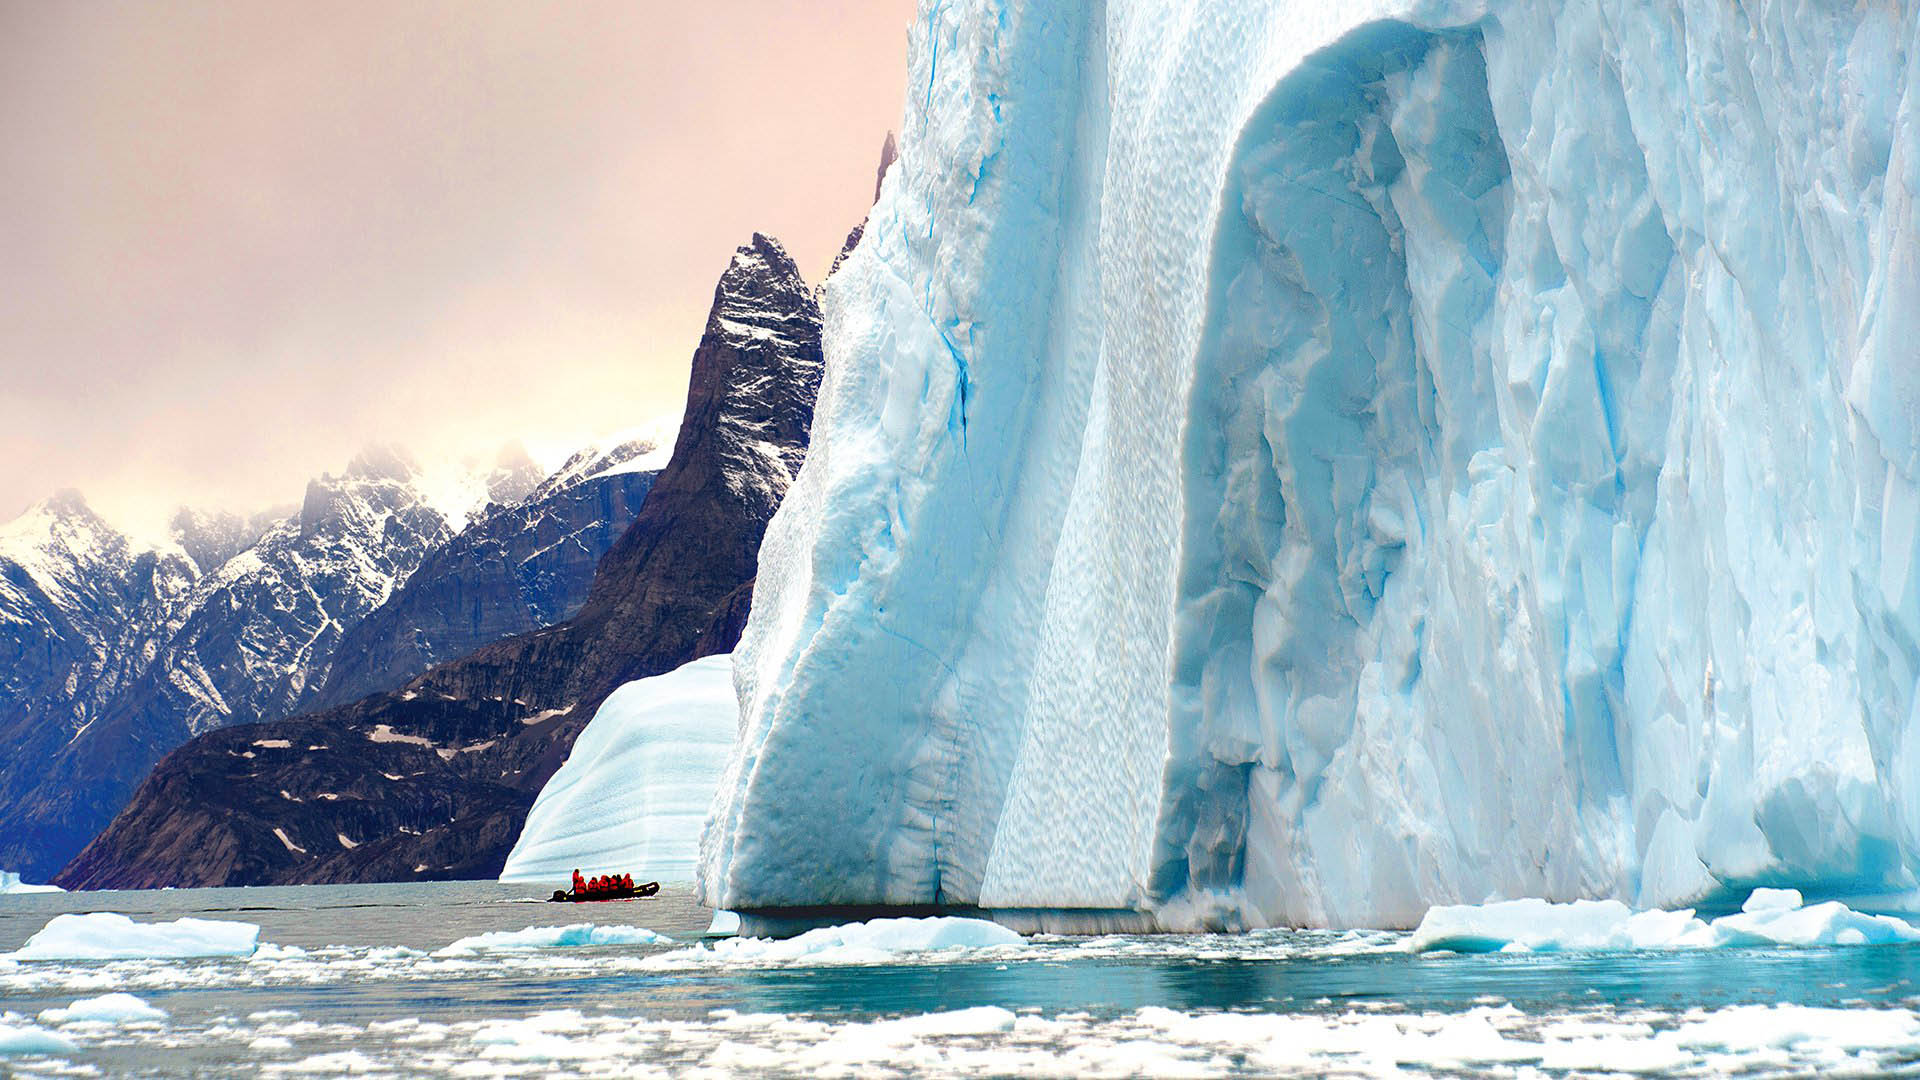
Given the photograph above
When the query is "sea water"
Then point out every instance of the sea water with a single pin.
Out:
(360, 980)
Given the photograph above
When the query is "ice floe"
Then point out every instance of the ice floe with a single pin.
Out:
(576, 935)
(105, 935)
(117, 1008)
(29, 1039)
(1769, 917)
(876, 941)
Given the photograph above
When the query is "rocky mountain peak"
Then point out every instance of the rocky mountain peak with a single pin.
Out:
(211, 537)
(67, 502)
(514, 475)
(382, 461)
(760, 295)
(750, 395)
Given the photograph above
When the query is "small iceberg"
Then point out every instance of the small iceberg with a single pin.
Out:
(105, 1009)
(578, 935)
(858, 943)
(10, 883)
(28, 1039)
(105, 935)
(1769, 917)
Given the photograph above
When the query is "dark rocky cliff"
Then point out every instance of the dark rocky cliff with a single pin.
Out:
(433, 780)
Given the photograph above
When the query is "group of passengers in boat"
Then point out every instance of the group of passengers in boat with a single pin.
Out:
(607, 884)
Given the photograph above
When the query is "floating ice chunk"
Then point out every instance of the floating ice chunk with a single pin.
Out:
(1769, 917)
(574, 936)
(105, 1009)
(540, 1037)
(351, 1062)
(1758, 1027)
(28, 1039)
(1772, 900)
(105, 935)
(981, 1020)
(10, 883)
(857, 943)
(1831, 923)
(1539, 926)
(724, 922)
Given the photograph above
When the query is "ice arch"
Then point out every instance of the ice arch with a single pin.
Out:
(1290, 466)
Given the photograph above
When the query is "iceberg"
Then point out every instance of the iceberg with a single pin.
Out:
(29, 1039)
(1301, 464)
(636, 786)
(118, 1008)
(1769, 917)
(10, 883)
(876, 941)
(105, 935)
(574, 936)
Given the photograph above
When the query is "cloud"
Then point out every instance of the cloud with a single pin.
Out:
(237, 240)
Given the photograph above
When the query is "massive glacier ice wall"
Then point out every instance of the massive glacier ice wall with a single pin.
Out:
(1288, 465)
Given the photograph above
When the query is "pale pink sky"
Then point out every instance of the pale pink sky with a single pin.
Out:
(238, 240)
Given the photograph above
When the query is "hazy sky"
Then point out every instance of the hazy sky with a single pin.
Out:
(238, 240)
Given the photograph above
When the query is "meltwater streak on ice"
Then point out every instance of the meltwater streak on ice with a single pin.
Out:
(1303, 463)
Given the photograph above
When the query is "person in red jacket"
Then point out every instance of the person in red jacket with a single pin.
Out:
(579, 883)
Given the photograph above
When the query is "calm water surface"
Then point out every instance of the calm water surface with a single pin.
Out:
(355, 980)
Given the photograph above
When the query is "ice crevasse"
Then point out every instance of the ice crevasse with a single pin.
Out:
(1302, 463)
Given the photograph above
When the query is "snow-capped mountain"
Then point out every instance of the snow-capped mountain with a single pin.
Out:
(514, 568)
(1291, 462)
(434, 780)
(120, 652)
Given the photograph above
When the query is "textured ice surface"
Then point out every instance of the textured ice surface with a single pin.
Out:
(1303, 463)
(878, 941)
(10, 883)
(1770, 917)
(105, 935)
(637, 783)
(556, 937)
(119, 1008)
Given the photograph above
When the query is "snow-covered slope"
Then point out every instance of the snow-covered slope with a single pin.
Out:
(1287, 462)
(76, 599)
(637, 783)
